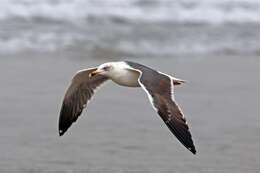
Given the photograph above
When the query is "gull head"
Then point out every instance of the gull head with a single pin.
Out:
(104, 69)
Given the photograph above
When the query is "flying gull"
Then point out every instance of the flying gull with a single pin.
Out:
(157, 85)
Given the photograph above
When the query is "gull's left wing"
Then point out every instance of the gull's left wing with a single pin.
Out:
(79, 92)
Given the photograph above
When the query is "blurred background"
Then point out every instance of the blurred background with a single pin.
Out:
(131, 27)
(213, 44)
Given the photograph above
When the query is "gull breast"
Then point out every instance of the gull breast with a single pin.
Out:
(126, 77)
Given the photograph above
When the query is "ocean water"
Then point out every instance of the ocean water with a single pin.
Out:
(131, 27)
(119, 132)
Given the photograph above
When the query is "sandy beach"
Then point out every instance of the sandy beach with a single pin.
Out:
(120, 132)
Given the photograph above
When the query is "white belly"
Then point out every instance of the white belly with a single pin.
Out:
(127, 78)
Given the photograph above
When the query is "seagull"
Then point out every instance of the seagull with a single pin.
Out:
(158, 86)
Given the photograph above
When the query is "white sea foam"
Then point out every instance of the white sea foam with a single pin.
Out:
(157, 27)
(209, 11)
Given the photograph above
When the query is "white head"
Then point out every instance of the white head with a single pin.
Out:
(104, 69)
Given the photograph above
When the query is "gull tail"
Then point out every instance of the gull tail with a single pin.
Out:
(177, 81)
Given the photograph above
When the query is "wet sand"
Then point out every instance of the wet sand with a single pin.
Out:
(120, 132)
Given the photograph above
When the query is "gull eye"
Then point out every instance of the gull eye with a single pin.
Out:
(106, 68)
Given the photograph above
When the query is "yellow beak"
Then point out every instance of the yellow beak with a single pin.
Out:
(93, 74)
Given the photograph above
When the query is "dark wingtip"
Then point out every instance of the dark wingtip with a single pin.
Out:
(193, 150)
(61, 132)
(65, 119)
